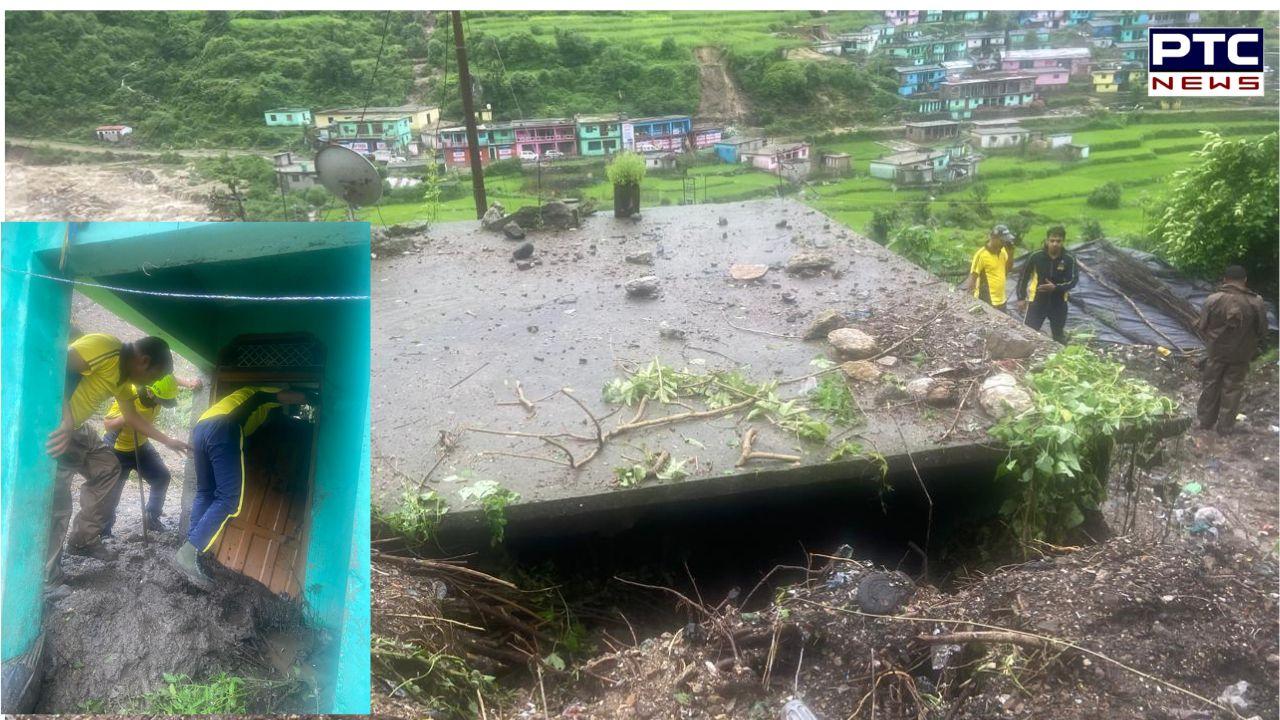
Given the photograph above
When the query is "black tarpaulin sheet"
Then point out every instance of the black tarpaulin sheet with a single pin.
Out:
(1107, 312)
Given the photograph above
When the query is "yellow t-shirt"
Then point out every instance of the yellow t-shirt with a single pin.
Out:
(124, 439)
(103, 379)
(248, 406)
(991, 270)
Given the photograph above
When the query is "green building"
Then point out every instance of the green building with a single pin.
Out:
(288, 117)
(599, 135)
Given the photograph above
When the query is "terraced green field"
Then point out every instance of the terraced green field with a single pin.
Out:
(1055, 191)
(744, 30)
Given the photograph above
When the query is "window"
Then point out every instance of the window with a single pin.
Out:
(289, 117)
(593, 145)
(273, 118)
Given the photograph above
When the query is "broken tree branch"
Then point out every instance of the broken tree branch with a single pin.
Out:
(600, 436)
(1141, 315)
(749, 454)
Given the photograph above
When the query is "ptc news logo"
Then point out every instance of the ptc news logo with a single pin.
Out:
(1205, 62)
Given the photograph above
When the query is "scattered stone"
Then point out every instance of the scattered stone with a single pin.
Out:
(723, 221)
(646, 286)
(807, 263)
(853, 344)
(789, 297)
(1003, 344)
(887, 361)
(417, 227)
(933, 391)
(782, 223)
(525, 264)
(513, 231)
(383, 244)
(1001, 395)
(747, 271)
(724, 236)
(667, 332)
(883, 593)
(861, 370)
(533, 329)
(493, 217)
(1210, 516)
(641, 258)
(824, 323)
(523, 252)
(142, 176)
(567, 300)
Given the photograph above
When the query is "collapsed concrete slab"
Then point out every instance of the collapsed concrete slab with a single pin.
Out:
(470, 356)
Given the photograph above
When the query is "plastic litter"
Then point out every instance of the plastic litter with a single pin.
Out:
(795, 709)
(1233, 696)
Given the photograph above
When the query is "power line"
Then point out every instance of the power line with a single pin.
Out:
(191, 296)
(386, 19)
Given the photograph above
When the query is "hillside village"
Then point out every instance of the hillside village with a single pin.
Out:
(964, 87)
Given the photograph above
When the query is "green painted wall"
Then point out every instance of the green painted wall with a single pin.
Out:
(254, 259)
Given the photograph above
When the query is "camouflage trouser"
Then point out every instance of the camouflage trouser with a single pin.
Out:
(88, 457)
(1222, 386)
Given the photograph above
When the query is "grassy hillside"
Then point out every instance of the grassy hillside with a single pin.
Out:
(196, 78)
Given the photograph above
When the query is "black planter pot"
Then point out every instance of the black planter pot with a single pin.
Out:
(626, 200)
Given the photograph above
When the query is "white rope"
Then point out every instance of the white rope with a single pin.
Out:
(193, 296)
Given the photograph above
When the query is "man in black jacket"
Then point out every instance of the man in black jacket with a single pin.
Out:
(1050, 273)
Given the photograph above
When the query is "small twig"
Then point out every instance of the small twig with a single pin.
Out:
(678, 417)
(912, 334)
(713, 352)
(430, 618)
(1043, 638)
(522, 456)
(928, 528)
(959, 410)
(760, 332)
(468, 377)
(524, 401)
(749, 454)
(600, 436)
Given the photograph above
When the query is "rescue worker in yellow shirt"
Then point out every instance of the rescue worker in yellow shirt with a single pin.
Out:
(99, 366)
(136, 453)
(990, 266)
(218, 440)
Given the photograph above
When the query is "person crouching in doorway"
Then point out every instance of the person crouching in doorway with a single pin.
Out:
(218, 442)
(136, 453)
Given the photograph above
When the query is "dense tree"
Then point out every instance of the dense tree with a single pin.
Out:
(1223, 210)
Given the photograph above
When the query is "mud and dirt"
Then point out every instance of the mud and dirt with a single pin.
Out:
(457, 326)
(720, 100)
(115, 192)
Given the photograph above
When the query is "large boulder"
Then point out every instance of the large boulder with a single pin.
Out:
(1001, 395)
(934, 391)
(853, 344)
(559, 216)
(1005, 344)
(824, 323)
(493, 217)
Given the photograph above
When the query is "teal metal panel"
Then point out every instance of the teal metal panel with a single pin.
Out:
(36, 316)
(351, 695)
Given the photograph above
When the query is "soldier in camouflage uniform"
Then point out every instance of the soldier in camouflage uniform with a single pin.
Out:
(1234, 323)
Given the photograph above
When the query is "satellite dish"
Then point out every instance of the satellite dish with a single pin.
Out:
(348, 175)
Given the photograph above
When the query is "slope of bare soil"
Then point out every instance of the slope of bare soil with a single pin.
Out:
(720, 99)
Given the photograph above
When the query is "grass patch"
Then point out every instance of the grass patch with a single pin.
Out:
(221, 694)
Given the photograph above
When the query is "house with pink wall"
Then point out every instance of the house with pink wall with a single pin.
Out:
(705, 136)
(1053, 67)
(902, 17)
(771, 158)
(540, 135)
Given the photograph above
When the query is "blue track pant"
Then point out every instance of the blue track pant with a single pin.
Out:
(150, 467)
(219, 458)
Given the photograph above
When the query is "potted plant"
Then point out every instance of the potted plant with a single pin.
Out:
(625, 172)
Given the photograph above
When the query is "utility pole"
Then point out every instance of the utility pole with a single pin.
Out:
(469, 111)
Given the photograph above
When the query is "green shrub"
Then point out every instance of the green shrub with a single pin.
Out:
(627, 168)
(1106, 195)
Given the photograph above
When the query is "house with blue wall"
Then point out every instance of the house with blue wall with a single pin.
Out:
(226, 273)
(648, 134)
(731, 150)
(916, 79)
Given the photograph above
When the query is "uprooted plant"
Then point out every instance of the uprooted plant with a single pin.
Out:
(1059, 449)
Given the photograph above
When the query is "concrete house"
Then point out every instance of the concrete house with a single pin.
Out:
(984, 43)
(1005, 136)
(599, 135)
(656, 133)
(421, 117)
(112, 133)
(705, 136)
(917, 79)
(293, 173)
(497, 142)
(1052, 67)
(660, 160)
(382, 138)
(913, 167)
(932, 131)
(901, 17)
(837, 163)
(319, 551)
(788, 159)
(963, 97)
(542, 135)
(731, 150)
(288, 117)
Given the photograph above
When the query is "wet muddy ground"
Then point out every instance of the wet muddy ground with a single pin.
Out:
(114, 192)
(457, 325)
